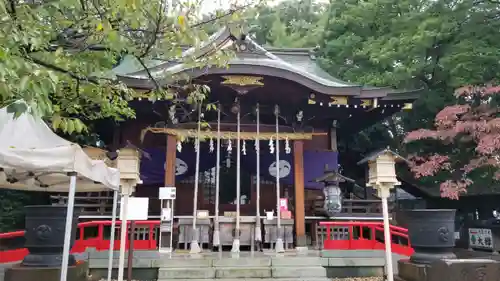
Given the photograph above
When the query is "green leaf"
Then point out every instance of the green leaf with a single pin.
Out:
(78, 126)
(56, 122)
(17, 108)
(70, 126)
(23, 84)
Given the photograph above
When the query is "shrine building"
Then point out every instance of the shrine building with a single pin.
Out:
(268, 128)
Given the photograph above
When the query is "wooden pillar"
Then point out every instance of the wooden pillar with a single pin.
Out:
(171, 155)
(298, 167)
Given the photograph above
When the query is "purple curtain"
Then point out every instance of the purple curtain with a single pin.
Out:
(314, 166)
(268, 164)
(153, 167)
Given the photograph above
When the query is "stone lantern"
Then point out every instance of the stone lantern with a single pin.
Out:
(128, 163)
(382, 170)
(382, 177)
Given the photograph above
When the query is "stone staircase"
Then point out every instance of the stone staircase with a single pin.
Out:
(264, 268)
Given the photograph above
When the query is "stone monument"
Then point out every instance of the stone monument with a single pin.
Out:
(45, 228)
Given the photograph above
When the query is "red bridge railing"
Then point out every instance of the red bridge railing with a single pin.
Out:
(365, 236)
(94, 234)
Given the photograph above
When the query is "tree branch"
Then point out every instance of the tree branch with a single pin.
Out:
(62, 70)
(157, 85)
(216, 18)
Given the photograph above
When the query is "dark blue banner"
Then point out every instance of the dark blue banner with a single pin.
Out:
(153, 166)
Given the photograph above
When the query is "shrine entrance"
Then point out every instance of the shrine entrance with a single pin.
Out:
(227, 190)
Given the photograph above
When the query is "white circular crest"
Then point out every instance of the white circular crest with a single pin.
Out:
(285, 169)
(180, 167)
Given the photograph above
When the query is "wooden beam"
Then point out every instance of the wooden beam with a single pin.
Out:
(298, 162)
(171, 155)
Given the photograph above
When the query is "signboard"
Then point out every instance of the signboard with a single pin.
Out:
(138, 208)
(480, 238)
(283, 204)
(167, 193)
(166, 214)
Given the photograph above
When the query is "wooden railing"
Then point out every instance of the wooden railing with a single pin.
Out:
(365, 236)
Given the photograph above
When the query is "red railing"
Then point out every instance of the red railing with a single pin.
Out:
(96, 234)
(365, 236)
(89, 235)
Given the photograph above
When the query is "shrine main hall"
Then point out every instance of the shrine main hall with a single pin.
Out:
(263, 140)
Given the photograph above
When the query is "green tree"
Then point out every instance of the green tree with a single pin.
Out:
(434, 45)
(57, 55)
(290, 24)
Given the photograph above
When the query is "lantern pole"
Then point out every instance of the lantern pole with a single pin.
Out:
(236, 240)
(195, 247)
(112, 235)
(279, 240)
(384, 191)
(258, 231)
(216, 240)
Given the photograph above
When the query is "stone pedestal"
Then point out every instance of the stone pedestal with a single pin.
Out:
(78, 272)
(271, 232)
(45, 230)
(186, 232)
(227, 227)
(453, 269)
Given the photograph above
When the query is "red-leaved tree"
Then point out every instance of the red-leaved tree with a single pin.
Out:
(469, 141)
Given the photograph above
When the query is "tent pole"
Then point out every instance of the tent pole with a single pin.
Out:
(124, 230)
(279, 239)
(216, 241)
(69, 225)
(112, 238)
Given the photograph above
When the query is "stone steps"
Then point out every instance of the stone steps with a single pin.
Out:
(242, 269)
(255, 279)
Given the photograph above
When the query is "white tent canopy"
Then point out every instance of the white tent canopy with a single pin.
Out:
(32, 157)
(29, 150)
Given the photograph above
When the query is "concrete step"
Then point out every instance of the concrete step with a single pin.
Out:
(242, 272)
(242, 262)
(296, 261)
(255, 279)
(298, 272)
(186, 273)
(182, 262)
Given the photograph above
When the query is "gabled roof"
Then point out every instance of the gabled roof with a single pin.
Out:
(373, 155)
(297, 65)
